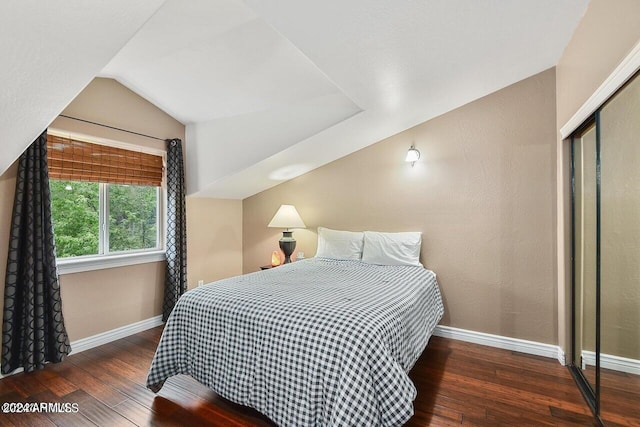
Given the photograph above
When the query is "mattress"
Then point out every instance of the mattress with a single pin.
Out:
(317, 342)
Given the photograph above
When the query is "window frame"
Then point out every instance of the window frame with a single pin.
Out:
(105, 259)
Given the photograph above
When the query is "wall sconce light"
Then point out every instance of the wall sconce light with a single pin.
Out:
(413, 155)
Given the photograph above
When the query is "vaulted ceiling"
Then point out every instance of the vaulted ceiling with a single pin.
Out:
(271, 89)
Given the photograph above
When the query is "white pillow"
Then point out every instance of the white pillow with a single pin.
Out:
(392, 248)
(337, 244)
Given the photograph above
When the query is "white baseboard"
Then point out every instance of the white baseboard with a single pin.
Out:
(615, 363)
(498, 341)
(114, 334)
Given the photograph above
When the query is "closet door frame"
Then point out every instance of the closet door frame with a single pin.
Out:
(591, 394)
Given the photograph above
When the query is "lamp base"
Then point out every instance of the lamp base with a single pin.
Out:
(287, 244)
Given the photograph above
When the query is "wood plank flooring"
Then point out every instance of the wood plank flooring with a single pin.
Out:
(458, 384)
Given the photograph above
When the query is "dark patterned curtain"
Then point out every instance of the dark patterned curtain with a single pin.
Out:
(176, 274)
(33, 331)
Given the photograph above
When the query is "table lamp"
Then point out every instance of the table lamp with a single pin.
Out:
(287, 217)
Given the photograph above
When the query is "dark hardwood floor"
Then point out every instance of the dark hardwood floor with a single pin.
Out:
(458, 384)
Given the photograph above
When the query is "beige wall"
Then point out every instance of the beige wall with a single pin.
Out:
(605, 35)
(481, 194)
(214, 241)
(101, 300)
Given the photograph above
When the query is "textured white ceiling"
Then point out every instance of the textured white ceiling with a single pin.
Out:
(402, 62)
(50, 51)
(211, 59)
(270, 89)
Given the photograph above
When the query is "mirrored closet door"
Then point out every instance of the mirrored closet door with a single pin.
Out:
(606, 258)
(620, 252)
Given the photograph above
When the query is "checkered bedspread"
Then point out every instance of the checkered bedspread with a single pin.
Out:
(314, 343)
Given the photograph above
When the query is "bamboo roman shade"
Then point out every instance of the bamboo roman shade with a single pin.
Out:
(74, 160)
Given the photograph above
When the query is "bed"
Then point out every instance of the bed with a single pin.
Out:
(318, 342)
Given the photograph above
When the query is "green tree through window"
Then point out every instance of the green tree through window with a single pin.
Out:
(76, 210)
(132, 217)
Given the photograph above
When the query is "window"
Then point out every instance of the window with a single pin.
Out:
(75, 209)
(133, 217)
(80, 211)
(107, 202)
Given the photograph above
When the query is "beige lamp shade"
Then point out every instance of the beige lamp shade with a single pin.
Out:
(287, 217)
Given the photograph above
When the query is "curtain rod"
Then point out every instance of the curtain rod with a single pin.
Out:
(111, 127)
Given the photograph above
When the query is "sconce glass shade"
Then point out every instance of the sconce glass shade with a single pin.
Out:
(413, 155)
(287, 217)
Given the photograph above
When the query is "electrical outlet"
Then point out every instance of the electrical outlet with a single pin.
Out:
(200, 282)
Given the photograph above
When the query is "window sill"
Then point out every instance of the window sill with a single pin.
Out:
(78, 265)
